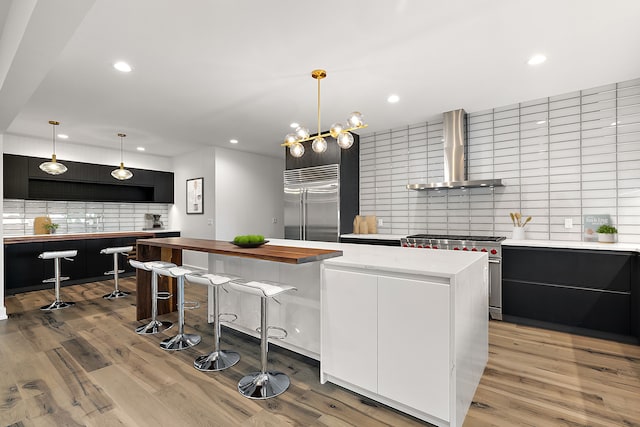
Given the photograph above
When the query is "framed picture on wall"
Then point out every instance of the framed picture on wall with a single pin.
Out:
(195, 199)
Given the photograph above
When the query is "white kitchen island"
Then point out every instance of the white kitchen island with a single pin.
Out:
(406, 328)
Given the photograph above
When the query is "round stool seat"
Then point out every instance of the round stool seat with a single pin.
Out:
(118, 250)
(263, 384)
(58, 254)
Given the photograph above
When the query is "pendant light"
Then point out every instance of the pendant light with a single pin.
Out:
(53, 167)
(121, 173)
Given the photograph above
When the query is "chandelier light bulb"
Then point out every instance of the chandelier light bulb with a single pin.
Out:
(296, 150)
(345, 140)
(302, 132)
(355, 119)
(336, 129)
(290, 139)
(319, 145)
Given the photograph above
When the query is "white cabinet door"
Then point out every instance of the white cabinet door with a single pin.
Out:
(349, 327)
(413, 344)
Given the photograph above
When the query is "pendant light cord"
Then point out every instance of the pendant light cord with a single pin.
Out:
(53, 128)
(319, 133)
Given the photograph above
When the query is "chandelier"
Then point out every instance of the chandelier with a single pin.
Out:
(53, 167)
(121, 173)
(341, 132)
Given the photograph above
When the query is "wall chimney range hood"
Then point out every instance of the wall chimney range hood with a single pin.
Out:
(455, 157)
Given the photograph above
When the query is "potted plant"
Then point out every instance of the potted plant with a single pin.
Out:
(51, 227)
(607, 233)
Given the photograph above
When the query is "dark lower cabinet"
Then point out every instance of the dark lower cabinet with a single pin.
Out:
(24, 271)
(584, 291)
(366, 241)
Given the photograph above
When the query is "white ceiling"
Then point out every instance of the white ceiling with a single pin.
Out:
(206, 71)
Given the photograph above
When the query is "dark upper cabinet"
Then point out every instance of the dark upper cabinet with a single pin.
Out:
(23, 179)
(16, 179)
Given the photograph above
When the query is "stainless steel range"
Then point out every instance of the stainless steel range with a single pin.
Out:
(490, 244)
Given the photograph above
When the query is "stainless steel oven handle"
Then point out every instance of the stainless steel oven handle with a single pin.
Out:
(494, 261)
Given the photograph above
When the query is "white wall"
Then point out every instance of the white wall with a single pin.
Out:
(197, 164)
(249, 195)
(36, 147)
(3, 310)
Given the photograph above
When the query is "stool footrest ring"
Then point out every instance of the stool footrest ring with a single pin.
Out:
(274, 337)
(164, 295)
(191, 305)
(107, 273)
(53, 279)
(233, 317)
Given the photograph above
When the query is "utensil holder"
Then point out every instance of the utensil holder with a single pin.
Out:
(518, 233)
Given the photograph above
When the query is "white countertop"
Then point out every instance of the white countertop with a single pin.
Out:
(392, 258)
(375, 236)
(115, 233)
(567, 244)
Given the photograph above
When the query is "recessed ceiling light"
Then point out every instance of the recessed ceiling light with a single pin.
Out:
(122, 66)
(233, 141)
(294, 125)
(63, 136)
(536, 59)
(392, 99)
(140, 148)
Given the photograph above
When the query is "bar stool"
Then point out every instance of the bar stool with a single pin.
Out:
(218, 359)
(58, 304)
(116, 293)
(180, 341)
(155, 325)
(263, 384)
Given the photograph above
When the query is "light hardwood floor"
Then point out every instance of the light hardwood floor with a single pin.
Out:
(86, 366)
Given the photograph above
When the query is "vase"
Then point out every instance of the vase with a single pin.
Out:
(518, 233)
(606, 237)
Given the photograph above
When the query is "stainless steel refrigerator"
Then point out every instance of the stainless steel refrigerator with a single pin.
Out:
(312, 203)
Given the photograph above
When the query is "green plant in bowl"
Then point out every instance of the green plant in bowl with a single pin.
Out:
(606, 229)
(248, 239)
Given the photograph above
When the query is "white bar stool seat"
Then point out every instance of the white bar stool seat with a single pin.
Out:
(155, 325)
(180, 341)
(264, 384)
(218, 359)
(58, 304)
(122, 250)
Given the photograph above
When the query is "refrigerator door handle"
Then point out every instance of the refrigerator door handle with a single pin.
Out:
(303, 211)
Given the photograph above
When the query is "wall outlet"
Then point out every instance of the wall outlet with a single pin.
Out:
(210, 221)
(380, 222)
(568, 223)
(274, 220)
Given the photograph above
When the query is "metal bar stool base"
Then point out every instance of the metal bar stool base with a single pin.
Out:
(116, 294)
(180, 342)
(57, 305)
(263, 385)
(153, 327)
(216, 361)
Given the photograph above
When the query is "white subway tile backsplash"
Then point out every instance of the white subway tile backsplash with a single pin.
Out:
(559, 157)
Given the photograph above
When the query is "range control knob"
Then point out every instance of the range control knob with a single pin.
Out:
(483, 250)
(465, 249)
(427, 246)
(474, 250)
(493, 252)
(404, 245)
(456, 248)
(434, 247)
(419, 246)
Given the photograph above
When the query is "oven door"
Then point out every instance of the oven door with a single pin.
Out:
(495, 288)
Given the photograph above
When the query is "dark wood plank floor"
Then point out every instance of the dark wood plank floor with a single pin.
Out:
(86, 366)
